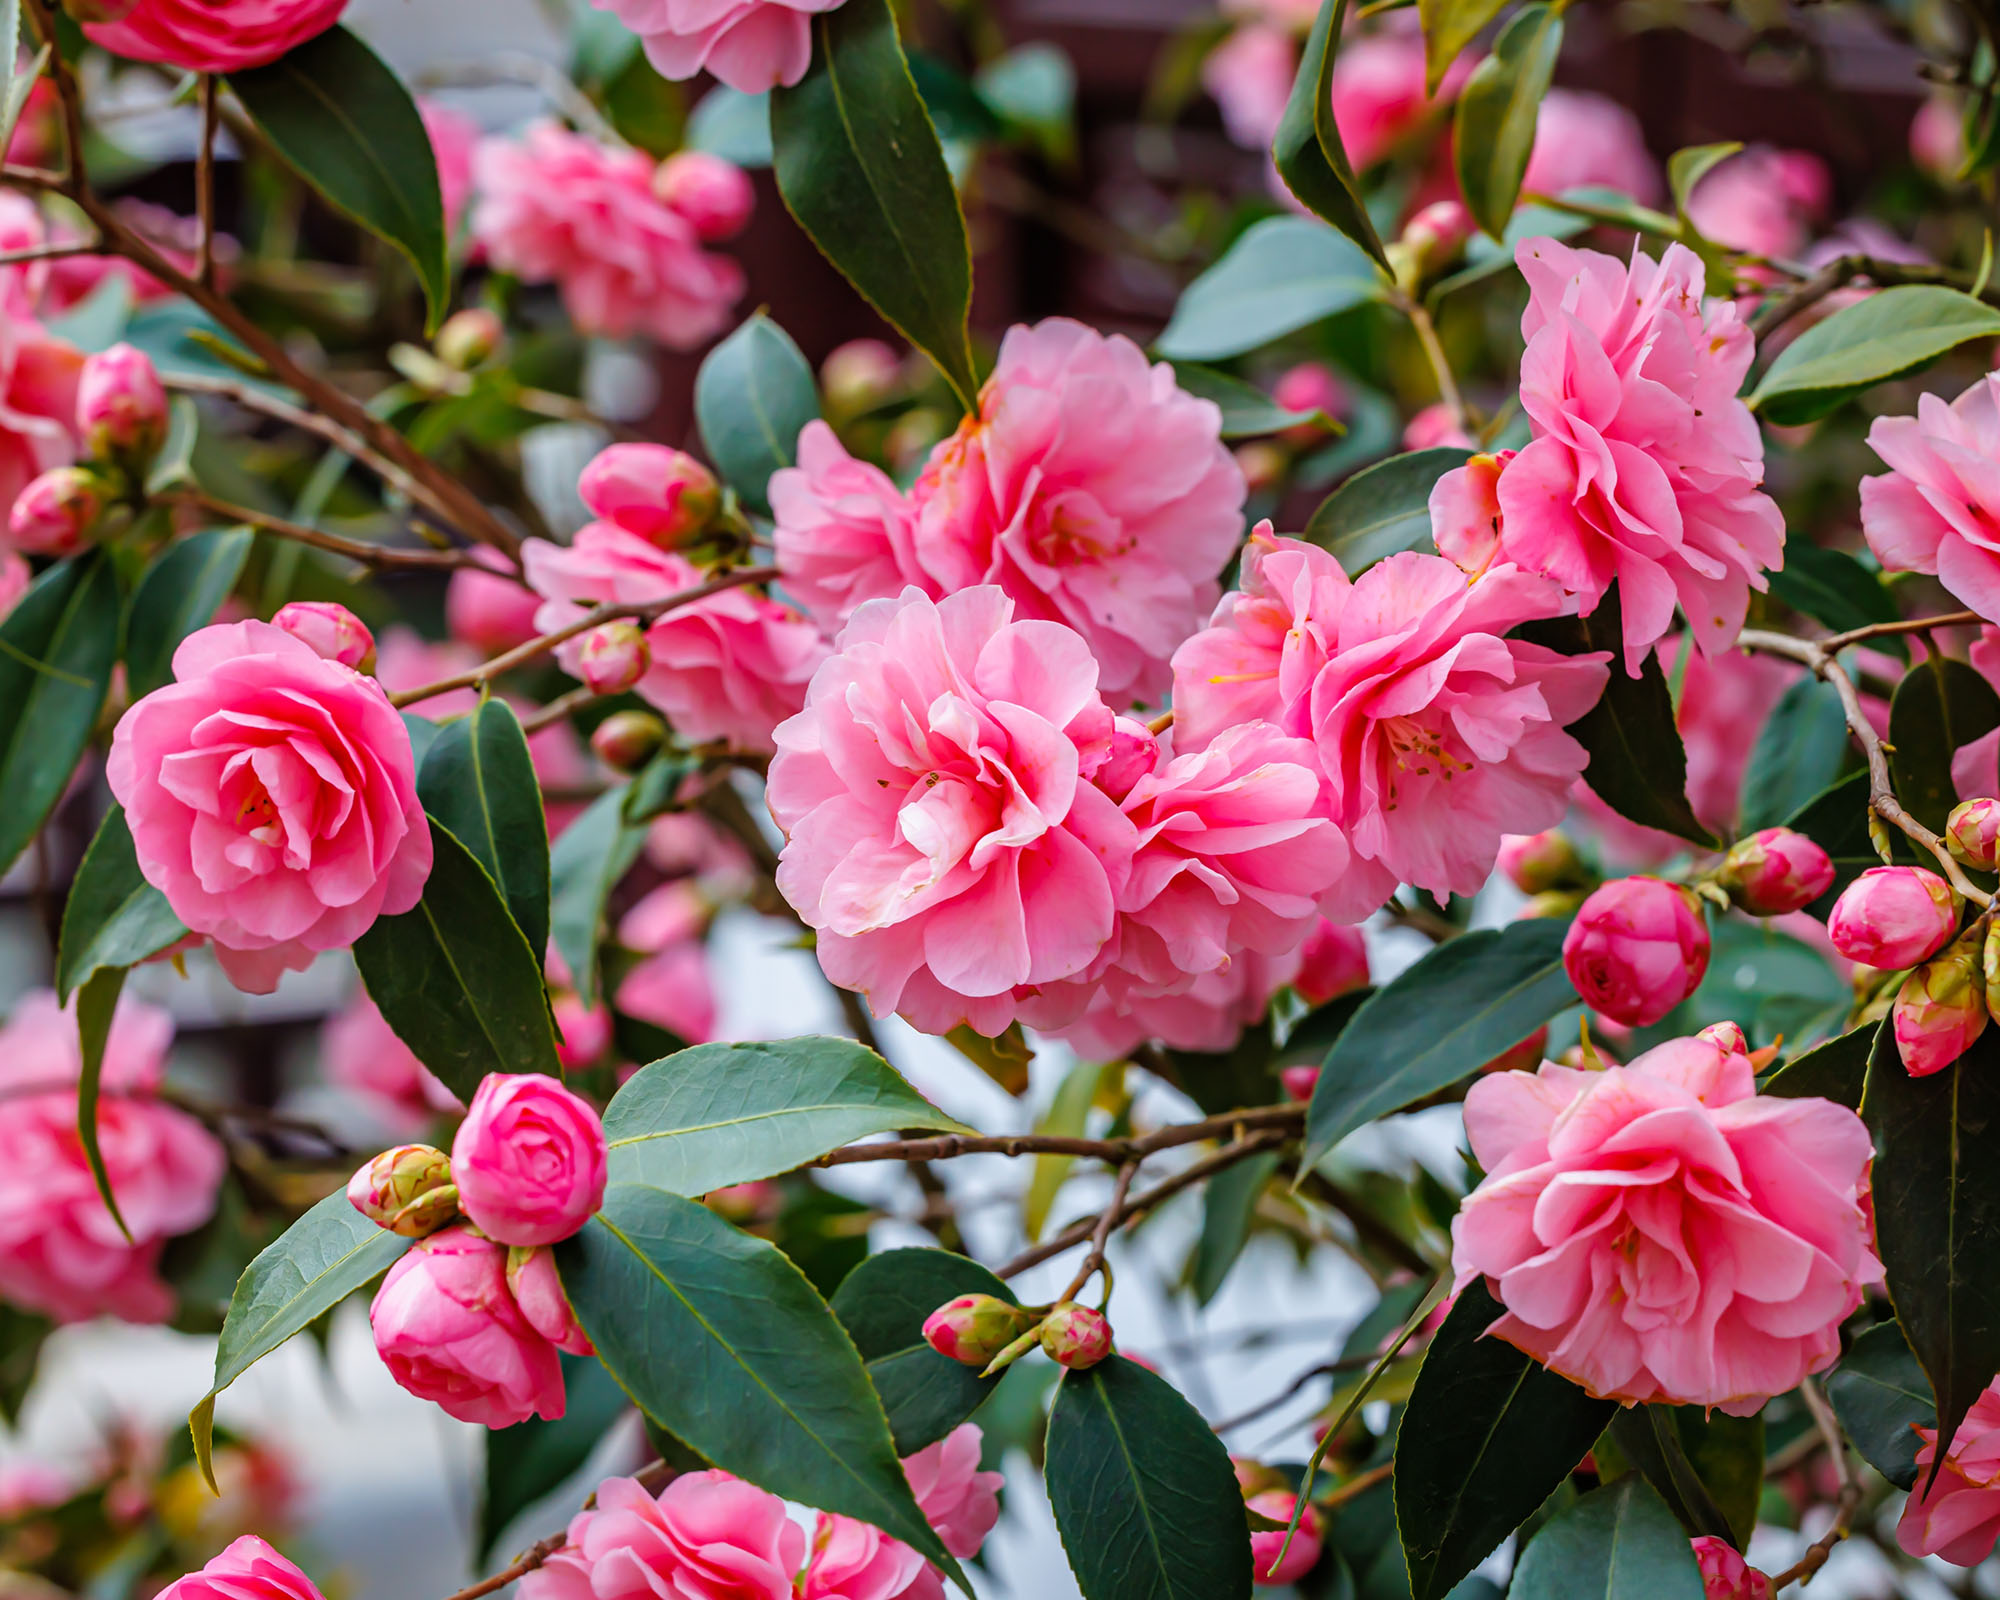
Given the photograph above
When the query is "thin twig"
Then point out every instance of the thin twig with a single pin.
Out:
(1835, 643)
(1845, 1503)
(1356, 1487)
(943, 1147)
(373, 555)
(204, 182)
(559, 708)
(1101, 1235)
(49, 252)
(1427, 336)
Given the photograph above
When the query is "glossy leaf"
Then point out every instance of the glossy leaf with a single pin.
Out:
(1282, 275)
(1647, 1438)
(731, 1113)
(1382, 509)
(754, 393)
(1799, 752)
(346, 124)
(96, 1000)
(113, 917)
(1493, 129)
(1247, 411)
(1938, 706)
(1890, 332)
(478, 779)
(859, 164)
(1306, 148)
(455, 979)
(1229, 1202)
(1836, 1070)
(1882, 1397)
(1143, 1492)
(22, 1334)
(585, 864)
(531, 1460)
(1449, 28)
(1616, 1543)
(1833, 587)
(1437, 1021)
(181, 591)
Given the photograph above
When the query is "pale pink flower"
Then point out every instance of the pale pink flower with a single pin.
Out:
(663, 495)
(1249, 76)
(1975, 767)
(15, 577)
(960, 1502)
(29, 1484)
(454, 140)
(1435, 734)
(854, 1561)
(1763, 200)
(1434, 427)
(1957, 1514)
(214, 35)
(22, 229)
(844, 533)
(1378, 92)
(121, 405)
(529, 1159)
(491, 610)
(1937, 137)
(39, 374)
(1590, 141)
(329, 630)
(73, 279)
(583, 1033)
(672, 989)
(1311, 386)
(557, 207)
(715, 195)
(752, 45)
(1644, 466)
(1661, 1232)
(1937, 509)
(272, 798)
(1725, 1575)
(707, 1536)
(248, 1570)
(359, 1051)
(1209, 1015)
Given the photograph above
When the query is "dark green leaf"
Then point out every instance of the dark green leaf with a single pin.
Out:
(1727, 1453)
(1282, 275)
(1144, 1496)
(113, 917)
(1230, 1202)
(1832, 587)
(585, 864)
(859, 164)
(478, 779)
(1247, 411)
(722, 1342)
(1940, 705)
(1493, 128)
(1798, 754)
(1488, 1435)
(532, 1459)
(180, 592)
(753, 394)
(1382, 509)
(21, 1337)
(455, 979)
(1891, 332)
(1837, 821)
(1882, 1397)
(1437, 1021)
(1307, 148)
(883, 1303)
(1647, 1438)
(1449, 27)
(95, 1002)
(1836, 1071)
(957, 112)
(347, 125)
(1616, 1543)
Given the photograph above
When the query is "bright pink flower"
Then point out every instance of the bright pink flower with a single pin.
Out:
(329, 630)
(1585, 141)
(214, 35)
(583, 1033)
(528, 1159)
(612, 657)
(57, 513)
(361, 1052)
(1333, 962)
(1249, 76)
(715, 195)
(1957, 1514)
(1892, 917)
(1311, 386)
(39, 374)
(557, 207)
(448, 1329)
(1092, 489)
(60, 1251)
(958, 1500)
(1209, 1015)
(454, 141)
(1305, 1547)
(854, 1561)
(1776, 871)
(487, 610)
(1644, 466)
(1436, 735)
(844, 534)
(1637, 949)
(672, 989)
(1660, 1231)
(663, 495)
(22, 228)
(730, 667)
(1940, 1008)
(1725, 1575)
(248, 1570)
(943, 834)
(752, 45)
(1764, 200)
(1937, 509)
(538, 1291)
(1378, 92)
(121, 407)
(272, 797)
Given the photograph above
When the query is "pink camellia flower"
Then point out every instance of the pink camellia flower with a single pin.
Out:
(1585, 141)
(960, 1502)
(729, 667)
(852, 1560)
(454, 141)
(448, 1329)
(1662, 1232)
(665, 496)
(1957, 1514)
(1644, 465)
(557, 207)
(60, 1251)
(248, 1570)
(1436, 734)
(1775, 871)
(361, 1052)
(1209, 1015)
(943, 834)
(1435, 427)
(1892, 917)
(583, 1033)
(1936, 508)
(713, 194)
(214, 35)
(612, 657)
(1311, 386)
(707, 1535)
(272, 798)
(1333, 962)
(1972, 832)
(490, 610)
(751, 45)
(15, 577)
(1307, 1544)
(1762, 200)
(528, 1159)
(121, 407)
(1249, 76)
(672, 989)
(1378, 92)
(1299, 1083)
(39, 374)
(845, 533)
(1637, 949)
(1725, 1575)
(532, 1280)
(332, 631)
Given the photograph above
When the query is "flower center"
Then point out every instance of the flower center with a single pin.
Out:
(255, 811)
(1419, 751)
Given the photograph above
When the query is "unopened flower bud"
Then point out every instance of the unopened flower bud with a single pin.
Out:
(538, 1291)
(714, 195)
(1555, 905)
(121, 406)
(469, 338)
(1332, 962)
(1972, 833)
(1638, 948)
(1076, 1336)
(1537, 862)
(975, 1328)
(1989, 969)
(1299, 1082)
(407, 1190)
(1941, 1008)
(613, 657)
(1523, 1057)
(1275, 1564)
(1436, 234)
(1725, 1575)
(56, 513)
(626, 740)
(662, 495)
(859, 374)
(332, 631)
(1726, 1037)
(1774, 872)
(1892, 917)
(1311, 386)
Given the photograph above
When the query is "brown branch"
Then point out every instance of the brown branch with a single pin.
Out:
(943, 1147)
(1100, 1236)
(49, 252)
(1835, 643)
(1845, 1504)
(558, 708)
(373, 555)
(1368, 1228)
(1355, 1488)
(204, 183)
(653, 1477)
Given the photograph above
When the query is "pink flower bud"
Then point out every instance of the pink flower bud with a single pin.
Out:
(1076, 1336)
(1333, 962)
(1537, 862)
(663, 495)
(57, 512)
(1892, 917)
(529, 1159)
(626, 740)
(333, 632)
(121, 406)
(1726, 1037)
(1972, 833)
(1774, 872)
(1523, 1057)
(975, 1328)
(407, 1190)
(716, 196)
(1937, 137)
(1941, 1008)
(1299, 1083)
(469, 338)
(1637, 949)
(613, 657)
(538, 1291)
(1308, 1541)
(859, 374)
(1725, 1575)
(1437, 233)
(1310, 386)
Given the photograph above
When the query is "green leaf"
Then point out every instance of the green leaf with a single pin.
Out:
(1488, 1435)
(181, 591)
(1032, 89)
(1382, 509)
(95, 1003)
(1283, 274)
(1939, 705)
(57, 649)
(1727, 1454)
(1647, 1438)
(731, 1113)
(478, 779)
(531, 1460)
(1144, 1496)
(1616, 1543)
(346, 124)
(1307, 148)
(883, 1303)
(1449, 28)
(173, 467)
(1067, 1117)
(113, 917)
(722, 1342)
(455, 979)
(859, 165)
(1687, 167)
(22, 1334)
(308, 1270)
(1437, 1021)
(21, 79)
(1881, 1396)
(1229, 1204)
(585, 864)
(1493, 128)
(1891, 332)
(1836, 1071)
(1832, 587)
(1247, 411)
(753, 394)
(1799, 752)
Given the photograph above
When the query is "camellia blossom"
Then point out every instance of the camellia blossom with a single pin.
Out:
(248, 1570)
(844, 532)
(214, 35)
(1249, 76)
(272, 798)
(751, 45)
(39, 374)
(1208, 1015)
(528, 1159)
(1725, 1575)
(1762, 199)
(1585, 141)
(1937, 508)
(856, 1561)
(1643, 467)
(1662, 1232)
(960, 1502)
(1957, 1514)
(1436, 735)
(454, 140)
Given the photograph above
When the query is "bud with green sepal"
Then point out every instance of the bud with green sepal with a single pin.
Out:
(1941, 1007)
(975, 1328)
(1075, 1336)
(407, 1190)
(1972, 833)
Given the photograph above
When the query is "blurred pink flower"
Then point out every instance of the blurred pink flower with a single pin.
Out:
(1590, 141)
(1937, 137)
(1378, 91)
(1434, 426)
(1764, 200)
(487, 610)
(1332, 962)
(751, 45)
(359, 1051)
(38, 382)
(454, 139)
(214, 35)
(248, 1570)
(1249, 76)
(672, 989)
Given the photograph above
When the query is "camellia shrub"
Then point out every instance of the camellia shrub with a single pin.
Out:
(1563, 560)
